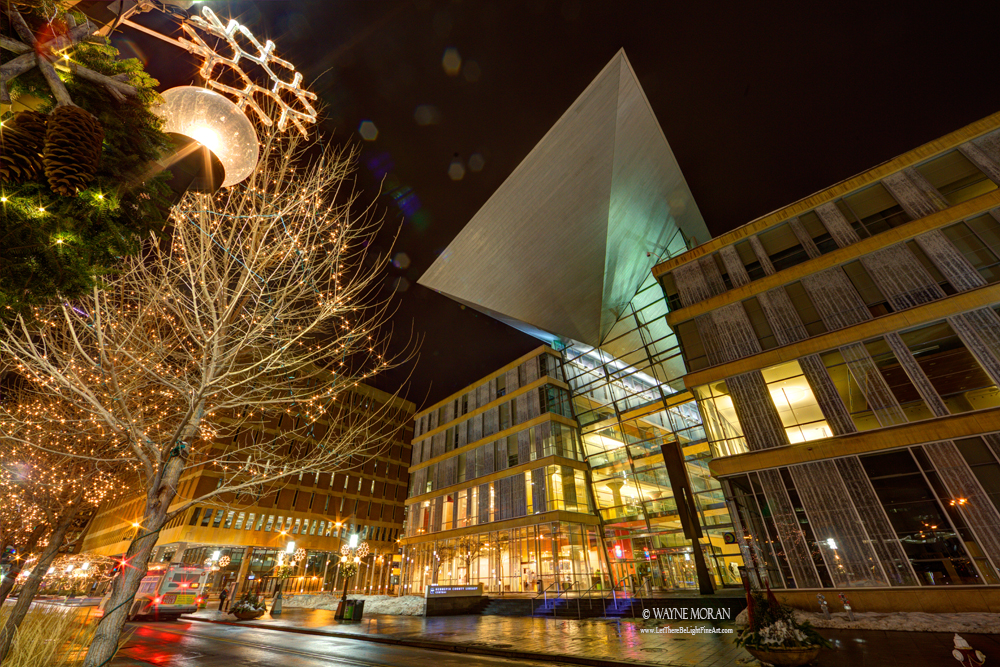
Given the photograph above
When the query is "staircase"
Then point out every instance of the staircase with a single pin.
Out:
(508, 607)
(619, 608)
(550, 608)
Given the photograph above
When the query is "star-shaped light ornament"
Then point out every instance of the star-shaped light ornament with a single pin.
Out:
(214, 65)
(215, 116)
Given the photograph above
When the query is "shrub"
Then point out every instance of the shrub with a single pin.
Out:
(772, 624)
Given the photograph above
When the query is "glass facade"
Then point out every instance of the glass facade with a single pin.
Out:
(619, 396)
(945, 180)
(917, 374)
(559, 555)
(613, 419)
(901, 517)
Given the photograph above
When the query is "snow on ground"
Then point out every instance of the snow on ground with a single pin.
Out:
(407, 605)
(912, 621)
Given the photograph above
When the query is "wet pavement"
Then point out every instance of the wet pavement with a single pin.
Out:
(604, 642)
(190, 644)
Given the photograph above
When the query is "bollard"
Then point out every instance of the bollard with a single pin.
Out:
(824, 606)
(847, 607)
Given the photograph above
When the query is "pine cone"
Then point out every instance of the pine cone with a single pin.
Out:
(73, 141)
(21, 143)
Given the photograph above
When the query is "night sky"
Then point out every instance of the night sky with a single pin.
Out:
(761, 108)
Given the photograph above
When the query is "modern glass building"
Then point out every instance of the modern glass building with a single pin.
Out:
(610, 487)
(845, 354)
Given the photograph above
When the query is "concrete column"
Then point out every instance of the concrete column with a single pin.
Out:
(986, 163)
(179, 553)
(244, 568)
(616, 493)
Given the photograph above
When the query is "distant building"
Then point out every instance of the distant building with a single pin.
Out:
(845, 354)
(317, 512)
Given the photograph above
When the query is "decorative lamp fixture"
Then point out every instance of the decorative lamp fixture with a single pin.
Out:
(290, 547)
(300, 554)
(216, 123)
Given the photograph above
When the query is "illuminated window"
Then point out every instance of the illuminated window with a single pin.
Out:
(797, 406)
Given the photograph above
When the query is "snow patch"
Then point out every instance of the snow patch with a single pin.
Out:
(907, 621)
(406, 605)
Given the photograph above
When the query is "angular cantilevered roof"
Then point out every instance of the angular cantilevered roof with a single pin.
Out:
(562, 246)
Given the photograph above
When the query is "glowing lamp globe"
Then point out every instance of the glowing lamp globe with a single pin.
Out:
(215, 122)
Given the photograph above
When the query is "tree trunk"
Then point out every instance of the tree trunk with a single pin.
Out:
(8, 582)
(105, 643)
(38, 572)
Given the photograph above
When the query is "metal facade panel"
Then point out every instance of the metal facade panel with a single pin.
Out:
(582, 220)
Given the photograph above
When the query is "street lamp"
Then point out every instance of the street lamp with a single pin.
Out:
(350, 557)
(287, 560)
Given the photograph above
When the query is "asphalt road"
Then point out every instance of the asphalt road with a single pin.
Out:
(186, 644)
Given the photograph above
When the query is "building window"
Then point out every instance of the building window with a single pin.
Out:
(817, 231)
(952, 370)
(867, 289)
(229, 519)
(955, 177)
(725, 434)
(872, 211)
(691, 346)
(207, 517)
(978, 240)
(754, 270)
(759, 323)
(270, 522)
(927, 536)
(983, 463)
(850, 392)
(804, 307)
(194, 516)
(239, 521)
(250, 521)
(782, 247)
(260, 522)
(903, 390)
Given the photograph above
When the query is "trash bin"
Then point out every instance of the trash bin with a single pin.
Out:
(349, 610)
(359, 610)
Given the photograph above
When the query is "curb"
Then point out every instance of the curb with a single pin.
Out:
(441, 646)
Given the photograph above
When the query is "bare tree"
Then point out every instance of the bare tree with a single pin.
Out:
(468, 548)
(61, 487)
(21, 527)
(223, 345)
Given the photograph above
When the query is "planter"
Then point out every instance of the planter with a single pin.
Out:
(247, 615)
(782, 656)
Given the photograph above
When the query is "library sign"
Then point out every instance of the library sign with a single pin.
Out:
(435, 591)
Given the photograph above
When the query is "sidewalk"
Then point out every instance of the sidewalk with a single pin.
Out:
(603, 643)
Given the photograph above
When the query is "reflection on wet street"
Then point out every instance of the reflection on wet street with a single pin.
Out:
(185, 644)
